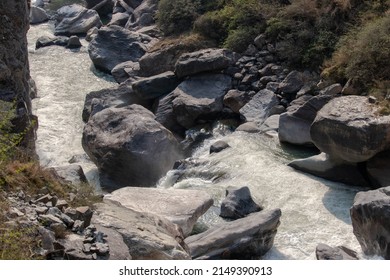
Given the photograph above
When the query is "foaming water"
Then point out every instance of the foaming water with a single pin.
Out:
(63, 78)
(314, 210)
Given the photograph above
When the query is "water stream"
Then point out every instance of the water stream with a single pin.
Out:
(313, 210)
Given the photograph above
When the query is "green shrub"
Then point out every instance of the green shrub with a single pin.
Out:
(363, 55)
(177, 16)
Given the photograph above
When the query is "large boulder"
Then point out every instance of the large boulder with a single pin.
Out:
(370, 214)
(118, 96)
(351, 128)
(200, 97)
(129, 147)
(259, 108)
(147, 236)
(207, 60)
(181, 207)
(292, 83)
(113, 45)
(238, 203)
(236, 99)
(156, 86)
(294, 125)
(247, 238)
(332, 169)
(38, 15)
(75, 19)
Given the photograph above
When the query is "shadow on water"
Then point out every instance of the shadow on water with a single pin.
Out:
(337, 196)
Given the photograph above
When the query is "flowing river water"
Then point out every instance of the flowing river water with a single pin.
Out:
(313, 210)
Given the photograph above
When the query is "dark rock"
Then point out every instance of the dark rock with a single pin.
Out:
(370, 214)
(156, 86)
(166, 116)
(200, 97)
(292, 83)
(38, 15)
(218, 146)
(125, 70)
(246, 238)
(122, 142)
(118, 96)
(378, 169)
(332, 169)
(75, 19)
(74, 42)
(295, 124)
(119, 19)
(238, 203)
(113, 45)
(206, 60)
(91, 33)
(103, 7)
(351, 129)
(143, 14)
(260, 41)
(325, 252)
(258, 109)
(332, 90)
(45, 41)
(235, 99)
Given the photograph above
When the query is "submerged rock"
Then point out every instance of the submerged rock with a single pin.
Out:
(247, 238)
(129, 147)
(332, 169)
(181, 207)
(370, 214)
(218, 146)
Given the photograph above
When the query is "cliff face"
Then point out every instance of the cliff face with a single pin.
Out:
(14, 67)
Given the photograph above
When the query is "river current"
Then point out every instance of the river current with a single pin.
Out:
(314, 210)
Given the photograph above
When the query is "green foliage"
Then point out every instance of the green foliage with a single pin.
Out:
(19, 243)
(8, 139)
(363, 55)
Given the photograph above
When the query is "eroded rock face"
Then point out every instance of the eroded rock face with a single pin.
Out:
(75, 19)
(129, 147)
(370, 215)
(181, 207)
(245, 238)
(113, 45)
(351, 128)
(14, 70)
(147, 236)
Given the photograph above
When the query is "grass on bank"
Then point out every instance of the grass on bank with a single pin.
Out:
(20, 171)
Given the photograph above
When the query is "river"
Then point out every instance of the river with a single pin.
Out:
(313, 210)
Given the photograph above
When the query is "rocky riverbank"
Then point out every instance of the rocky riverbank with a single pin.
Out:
(142, 128)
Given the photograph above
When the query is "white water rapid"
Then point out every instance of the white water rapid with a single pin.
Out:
(63, 78)
(313, 210)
